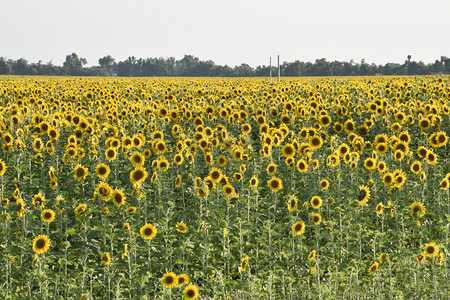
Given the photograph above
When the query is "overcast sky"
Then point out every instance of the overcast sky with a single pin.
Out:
(228, 32)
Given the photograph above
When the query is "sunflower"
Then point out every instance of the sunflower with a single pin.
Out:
(421, 258)
(53, 134)
(388, 178)
(228, 190)
(20, 207)
(221, 161)
(48, 215)
(370, 164)
(379, 208)
(275, 184)
(431, 157)
(110, 154)
(399, 178)
(312, 255)
(102, 171)
(292, 203)
(417, 208)
(349, 126)
(138, 175)
(416, 167)
(190, 292)
(169, 280)
(316, 202)
(315, 142)
(343, 150)
(271, 169)
(288, 150)
(181, 227)
(38, 201)
(183, 279)
(364, 194)
(422, 151)
(383, 257)
(215, 174)
(302, 166)
(298, 228)
(178, 159)
(244, 264)
(105, 258)
(324, 184)
(254, 182)
(148, 231)
(338, 127)
(137, 159)
(373, 268)
(2, 167)
(316, 219)
(125, 251)
(119, 198)
(104, 191)
(444, 184)
(431, 250)
(80, 209)
(424, 124)
(177, 182)
(38, 145)
(80, 172)
(41, 244)
(131, 210)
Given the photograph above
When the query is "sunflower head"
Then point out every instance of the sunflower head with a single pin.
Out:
(148, 231)
(41, 244)
(431, 250)
(298, 228)
(169, 280)
(190, 292)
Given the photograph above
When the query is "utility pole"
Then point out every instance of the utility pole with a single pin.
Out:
(278, 68)
(270, 69)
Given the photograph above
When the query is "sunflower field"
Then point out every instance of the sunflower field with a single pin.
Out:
(216, 188)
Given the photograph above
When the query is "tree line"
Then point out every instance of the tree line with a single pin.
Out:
(192, 66)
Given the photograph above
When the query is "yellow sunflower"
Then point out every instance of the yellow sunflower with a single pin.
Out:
(183, 279)
(169, 280)
(148, 231)
(102, 171)
(80, 209)
(48, 215)
(244, 264)
(316, 202)
(298, 228)
(119, 198)
(190, 292)
(275, 184)
(138, 175)
(181, 227)
(80, 172)
(417, 208)
(316, 219)
(41, 244)
(105, 258)
(431, 250)
(364, 194)
(2, 167)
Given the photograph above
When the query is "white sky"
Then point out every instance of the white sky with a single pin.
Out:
(228, 32)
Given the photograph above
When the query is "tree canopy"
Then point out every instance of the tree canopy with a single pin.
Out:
(192, 66)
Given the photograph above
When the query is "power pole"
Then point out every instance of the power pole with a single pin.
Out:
(270, 69)
(278, 68)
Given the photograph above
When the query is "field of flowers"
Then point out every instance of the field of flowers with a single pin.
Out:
(186, 188)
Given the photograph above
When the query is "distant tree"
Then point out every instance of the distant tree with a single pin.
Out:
(21, 67)
(5, 67)
(74, 65)
(107, 63)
